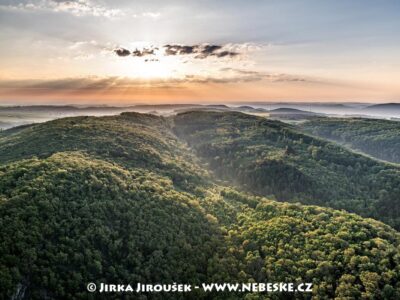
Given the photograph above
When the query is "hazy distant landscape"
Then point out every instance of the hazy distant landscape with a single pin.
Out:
(11, 116)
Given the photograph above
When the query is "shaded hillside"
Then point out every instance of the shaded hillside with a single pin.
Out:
(378, 138)
(271, 158)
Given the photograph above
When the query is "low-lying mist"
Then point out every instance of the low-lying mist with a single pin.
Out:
(12, 116)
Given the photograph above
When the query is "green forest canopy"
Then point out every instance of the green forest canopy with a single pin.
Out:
(74, 211)
(273, 159)
(378, 138)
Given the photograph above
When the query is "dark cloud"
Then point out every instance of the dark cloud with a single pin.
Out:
(122, 52)
(144, 52)
(137, 53)
(208, 49)
(188, 49)
(201, 51)
(225, 53)
(180, 50)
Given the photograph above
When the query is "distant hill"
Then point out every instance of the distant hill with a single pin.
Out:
(200, 108)
(162, 106)
(11, 116)
(378, 138)
(287, 113)
(388, 109)
(223, 108)
(285, 110)
(245, 107)
(249, 109)
(383, 106)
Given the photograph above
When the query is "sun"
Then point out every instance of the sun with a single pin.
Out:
(144, 68)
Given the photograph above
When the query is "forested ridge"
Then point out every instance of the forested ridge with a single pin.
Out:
(274, 159)
(122, 199)
(378, 138)
(130, 139)
(70, 219)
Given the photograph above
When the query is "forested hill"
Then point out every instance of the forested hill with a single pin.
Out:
(130, 139)
(378, 138)
(273, 159)
(70, 219)
(121, 199)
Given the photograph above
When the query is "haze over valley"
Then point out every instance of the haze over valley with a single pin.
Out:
(11, 116)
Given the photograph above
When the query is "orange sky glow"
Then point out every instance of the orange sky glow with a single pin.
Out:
(115, 52)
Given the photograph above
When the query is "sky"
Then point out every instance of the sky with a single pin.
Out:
(157, 51)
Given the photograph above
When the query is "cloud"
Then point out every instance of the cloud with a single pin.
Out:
(144, 52)
(32, 85)
(83, 45)
(197, 51)
(180, 50)
(75, 7)
(91, 84)
(200, 51)
(150, 14)
(76, 50)
(250, 75)
(208, 49)
(225, 53)
(83, 86)
(135, 53)
(122, 52)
